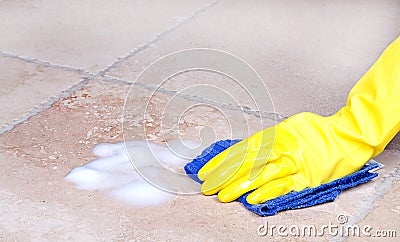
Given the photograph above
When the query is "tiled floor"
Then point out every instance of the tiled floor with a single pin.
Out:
(66, 69)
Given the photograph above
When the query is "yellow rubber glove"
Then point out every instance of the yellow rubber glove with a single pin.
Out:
(307, 150)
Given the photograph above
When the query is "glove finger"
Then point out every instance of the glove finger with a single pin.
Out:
(240, 183)
(232, 170)
(259, 145)
(276, 188)
(217, 179)
(237, 150)
(272, 171)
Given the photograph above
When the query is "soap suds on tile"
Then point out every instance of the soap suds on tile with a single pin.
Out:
(138, 172)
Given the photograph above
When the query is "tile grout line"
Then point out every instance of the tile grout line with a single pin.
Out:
(367, 205)
(131, 53)
(87, 76)
(260, 114)
(158, 37)
(364, 208)
(42, 63)
(38, 109)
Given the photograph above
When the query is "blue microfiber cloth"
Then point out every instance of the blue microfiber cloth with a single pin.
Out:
(308, 197)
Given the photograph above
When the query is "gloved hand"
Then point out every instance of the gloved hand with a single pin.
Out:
(307, 150)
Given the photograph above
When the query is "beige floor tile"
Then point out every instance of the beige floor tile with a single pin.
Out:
(24, 86)
(94, 114)
(86, 34)
(381, 222)
(39, 152)
(309, 53)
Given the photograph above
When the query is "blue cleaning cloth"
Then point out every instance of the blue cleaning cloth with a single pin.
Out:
(308, 197)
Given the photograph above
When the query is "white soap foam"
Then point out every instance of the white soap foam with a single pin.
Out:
(116, 170)
(87, 178)
(140, 194)
(106, 149)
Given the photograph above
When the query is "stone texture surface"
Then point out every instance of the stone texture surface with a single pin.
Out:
(86, 34)
(39, 152)
(293, 45)
(24, 86)
(308, 53)
(379, 212)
